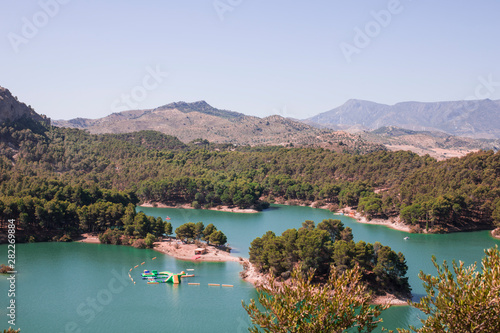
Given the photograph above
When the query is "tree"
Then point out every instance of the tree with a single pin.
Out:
(343, 253)
(218, 238)
(198, 230)
(314, 248)
(149, 240)
(308, 224)
(299, 306)
(462, 299)
(168, 228)
(185, 231)
(334, 228)
(209, 229)
(346, 234)
(141, 224)
(159, 227)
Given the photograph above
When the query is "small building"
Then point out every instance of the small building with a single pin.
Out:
(200, 250)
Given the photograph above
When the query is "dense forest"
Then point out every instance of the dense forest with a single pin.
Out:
(329, 243)
(69, 180)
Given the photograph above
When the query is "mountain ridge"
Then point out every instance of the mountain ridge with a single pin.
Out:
(191, 121)
(475, 118)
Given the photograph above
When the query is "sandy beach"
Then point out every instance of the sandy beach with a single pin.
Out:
(188, 206)
(186, 252)
(88, 238)
(393, 224)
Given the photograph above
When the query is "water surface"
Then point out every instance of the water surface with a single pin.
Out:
(85, 287)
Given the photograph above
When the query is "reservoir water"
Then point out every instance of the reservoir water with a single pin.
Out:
(74, 287)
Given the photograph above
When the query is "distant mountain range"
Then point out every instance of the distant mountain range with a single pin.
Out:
(475, 119)
(366, 121)
(199, 120)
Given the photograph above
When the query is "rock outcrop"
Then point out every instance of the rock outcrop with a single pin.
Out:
(11, 109)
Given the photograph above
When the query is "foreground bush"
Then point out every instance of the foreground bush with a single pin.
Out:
(300, 306)
(462, 299)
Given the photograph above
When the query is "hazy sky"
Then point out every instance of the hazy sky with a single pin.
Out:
(89, 58)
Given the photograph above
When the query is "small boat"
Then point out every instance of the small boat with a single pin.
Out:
(406, 238)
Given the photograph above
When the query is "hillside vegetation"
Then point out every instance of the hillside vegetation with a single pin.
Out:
(49, 173)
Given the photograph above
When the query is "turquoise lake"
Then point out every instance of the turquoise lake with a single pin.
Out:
(75, 287)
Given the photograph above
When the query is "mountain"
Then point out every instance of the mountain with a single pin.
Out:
(12, 110)
(476, 119)
(199, 120)
(439, 145)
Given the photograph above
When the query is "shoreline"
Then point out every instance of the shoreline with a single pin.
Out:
(395, 224)
(495, 233)
(392, 223)
(88, 238)
(226, 209)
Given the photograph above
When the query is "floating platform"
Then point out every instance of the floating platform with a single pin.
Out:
(163, 277)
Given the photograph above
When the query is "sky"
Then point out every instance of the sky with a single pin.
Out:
(90, 58)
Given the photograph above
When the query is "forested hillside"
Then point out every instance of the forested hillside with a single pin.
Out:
(51, 174)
